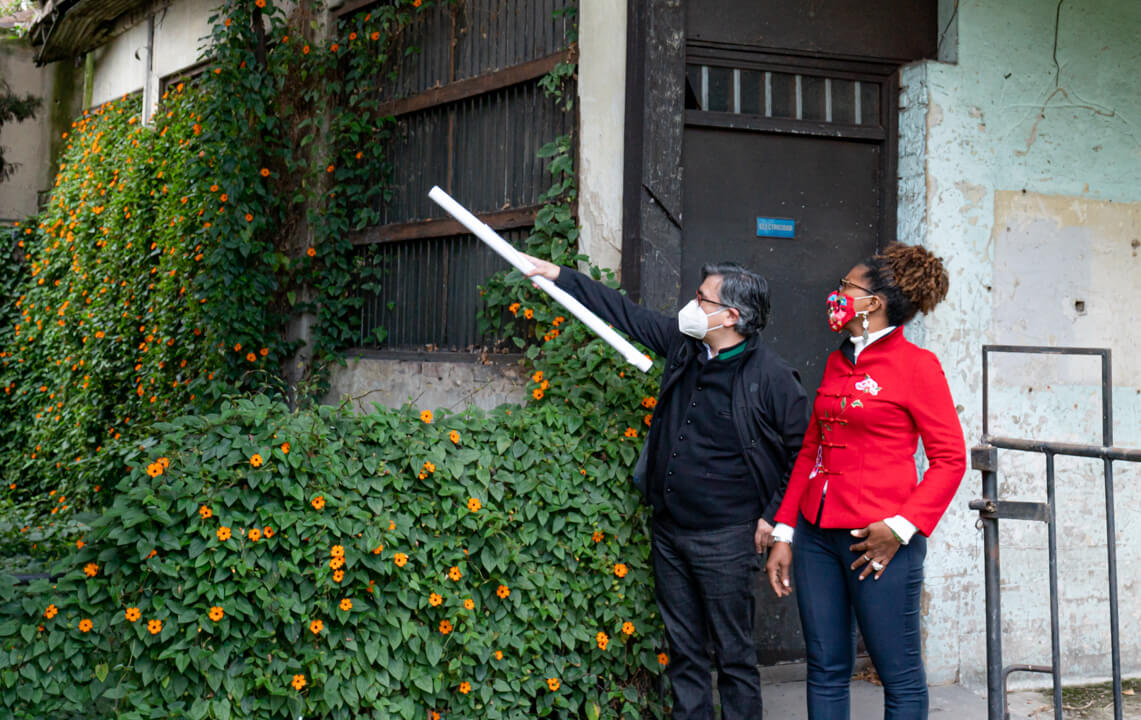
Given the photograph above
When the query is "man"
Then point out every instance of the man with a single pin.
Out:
(729, 421)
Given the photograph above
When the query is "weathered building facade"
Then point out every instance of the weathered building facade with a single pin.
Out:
(799, 137)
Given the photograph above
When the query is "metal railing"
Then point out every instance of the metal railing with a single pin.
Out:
(991, 509)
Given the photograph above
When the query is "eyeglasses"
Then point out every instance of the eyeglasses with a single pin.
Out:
(846, 283)
(701, 298)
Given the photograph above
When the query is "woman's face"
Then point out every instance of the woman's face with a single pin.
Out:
(855, 286)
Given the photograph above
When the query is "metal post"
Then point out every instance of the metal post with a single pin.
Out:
(1055, 634)
(1111, 528)
(986, 460)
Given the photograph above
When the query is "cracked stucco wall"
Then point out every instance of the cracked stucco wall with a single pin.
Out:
(1033, 197)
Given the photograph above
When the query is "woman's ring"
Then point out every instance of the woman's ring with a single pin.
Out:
(866, 558)
(877, 566)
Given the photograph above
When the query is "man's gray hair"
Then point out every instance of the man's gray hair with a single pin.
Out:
(744, 290)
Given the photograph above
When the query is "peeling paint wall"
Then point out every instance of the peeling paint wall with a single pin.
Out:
(1033, 198)
(602, 109)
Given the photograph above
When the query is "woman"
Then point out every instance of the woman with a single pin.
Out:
(854, 523)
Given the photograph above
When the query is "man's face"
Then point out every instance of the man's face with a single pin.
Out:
(709, 298)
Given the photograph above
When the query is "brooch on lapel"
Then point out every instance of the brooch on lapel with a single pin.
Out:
(868, 385)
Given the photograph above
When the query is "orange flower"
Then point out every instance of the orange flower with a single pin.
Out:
(346, 604)
(154, 626)
(316, 627)
(216, 613)
(265, 172)
(378, 550)
(602, 639)
(311, 252)
(474, 504)
(628, 628)
(205, 512)
(337, 551)
(469, 604)
(620, 570)
(254, 534)
(285, 448)
(259, 3)
(298, 682)
(514, 308)
(434, 600)
(375, 36)
(597, 536)
(391, 524)
(255, 459)
(154, 469)
(334, 48)
(416, 3)
(132, 614)
(331, 168)
(537, 377)
(352, 36)
(498, 654)
(454, 573)
(318, 502)
(426, 416)
(400, 559)
(465, 687)
(445, 627)
(267, 531)
(338, 575)
(305, 50)
(454, 437)
(537, 393)
(263, 352)
(51, 612)
(553, 684)
(85, 625)
(503, 591)
(649, 402)
(663, 659)
(90, 569)
(249, 218)
(648, 419)
(528, 313)
(223, 533)
(223, 197)
(336, 563)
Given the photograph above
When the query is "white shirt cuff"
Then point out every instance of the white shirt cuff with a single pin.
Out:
(900, 525)
(783, 533)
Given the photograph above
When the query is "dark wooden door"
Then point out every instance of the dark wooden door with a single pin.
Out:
(829, 189)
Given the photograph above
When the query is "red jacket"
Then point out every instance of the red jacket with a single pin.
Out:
(861, 440)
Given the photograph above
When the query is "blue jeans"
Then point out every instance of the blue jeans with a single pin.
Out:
(704, 581)
(830, 596)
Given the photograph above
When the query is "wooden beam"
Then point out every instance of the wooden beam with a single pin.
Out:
(396, 232)
(477, 85)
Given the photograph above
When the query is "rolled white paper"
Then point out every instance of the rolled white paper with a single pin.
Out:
(511, 255)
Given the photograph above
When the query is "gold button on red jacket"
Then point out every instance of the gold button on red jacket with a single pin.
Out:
(867, 419)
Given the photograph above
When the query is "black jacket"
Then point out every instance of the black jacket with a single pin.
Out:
(770, 408)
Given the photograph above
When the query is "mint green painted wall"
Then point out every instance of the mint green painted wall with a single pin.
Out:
(1001, 121)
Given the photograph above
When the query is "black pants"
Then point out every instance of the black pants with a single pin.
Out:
(704, 583)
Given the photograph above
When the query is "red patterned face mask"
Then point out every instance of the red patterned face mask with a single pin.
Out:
(842, 309)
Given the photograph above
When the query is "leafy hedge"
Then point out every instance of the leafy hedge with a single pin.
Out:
(262, 563)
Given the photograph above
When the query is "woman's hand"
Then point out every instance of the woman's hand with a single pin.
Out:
(878, 549)
(543, 268)
(778, 567)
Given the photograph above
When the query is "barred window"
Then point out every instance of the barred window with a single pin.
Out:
(470, 117)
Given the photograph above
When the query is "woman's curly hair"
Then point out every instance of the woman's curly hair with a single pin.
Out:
(911, 278)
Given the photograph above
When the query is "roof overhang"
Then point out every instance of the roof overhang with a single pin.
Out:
(68, 29)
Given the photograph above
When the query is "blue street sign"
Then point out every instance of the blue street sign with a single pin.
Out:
(776, 227)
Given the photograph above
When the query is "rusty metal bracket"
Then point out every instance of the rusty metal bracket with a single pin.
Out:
(1011, 510)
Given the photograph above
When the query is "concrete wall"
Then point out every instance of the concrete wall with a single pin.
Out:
(602, 110)
(1032, 196)
(32, 143)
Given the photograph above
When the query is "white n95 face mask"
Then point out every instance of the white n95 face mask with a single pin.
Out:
(694, 322)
